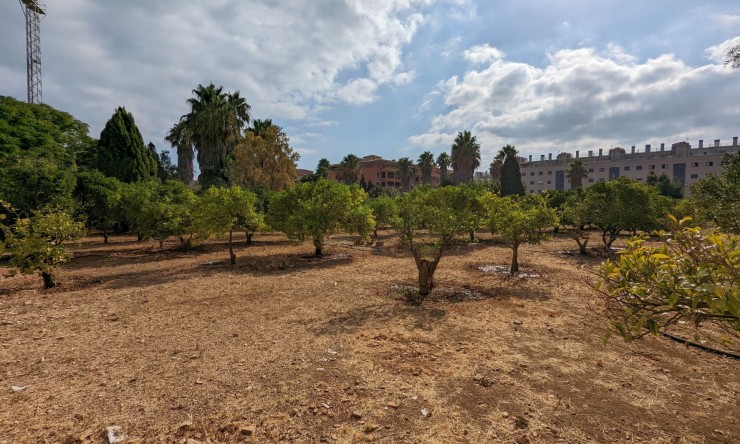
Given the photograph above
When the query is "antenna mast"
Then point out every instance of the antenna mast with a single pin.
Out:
(35, 11)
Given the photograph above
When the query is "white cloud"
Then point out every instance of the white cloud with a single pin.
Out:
(717, 53)
(581, 98)
(483, 54)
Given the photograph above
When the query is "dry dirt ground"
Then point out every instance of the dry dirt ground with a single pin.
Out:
(181, 347)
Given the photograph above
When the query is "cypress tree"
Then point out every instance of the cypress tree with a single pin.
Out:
(363, 184)
(511, 177)
(121, 150)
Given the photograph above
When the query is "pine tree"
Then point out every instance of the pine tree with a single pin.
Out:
(121, 150)
(511, 177)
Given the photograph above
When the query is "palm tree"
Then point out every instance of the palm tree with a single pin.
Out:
(350, 169)
(215, 124)
(465, 157)
(495, 168)
(405, 171)
(179, 138)
(259, 127)
(426, 165)
(443, 160)
(576, 173)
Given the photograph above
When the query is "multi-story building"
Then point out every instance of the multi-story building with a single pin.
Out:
(383, 172)
(680, 163)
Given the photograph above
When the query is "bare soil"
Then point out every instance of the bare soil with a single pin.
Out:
(282, 347)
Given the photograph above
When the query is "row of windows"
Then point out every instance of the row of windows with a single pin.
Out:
(626, 168)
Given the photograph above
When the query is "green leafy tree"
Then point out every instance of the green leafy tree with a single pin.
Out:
(384, 211)
(428, 222)
(33, 183)
(406, 170)
(160, 210)
(465, 157)
(444, 161)
(36, 244)
(717, 195)
(121, 151)
(577, 171)
(665, 186)
(222, 210)
(694, 275)
(99, 200)
(574, 212)
(511, 177)
(426, 166)
(315, 210)
(519, 220)
(494, 169)
(621, 204)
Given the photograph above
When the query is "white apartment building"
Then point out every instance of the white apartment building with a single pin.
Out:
(680, 162)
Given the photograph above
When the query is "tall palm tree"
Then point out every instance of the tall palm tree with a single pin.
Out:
(350, 169)
(465, 157)
(426, 165)
(495, 168)
(405, 171)
(577, 171)
(179, 138)
(444, 162)
(215, 123)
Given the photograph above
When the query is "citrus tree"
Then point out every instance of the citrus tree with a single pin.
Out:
(99, 200)
(314, 210)
(427, 224)
(384, 209)
(222, 210)
(36, 244)
(694, 275)
(519, 220)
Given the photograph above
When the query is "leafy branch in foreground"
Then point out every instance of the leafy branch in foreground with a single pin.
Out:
(694, 275)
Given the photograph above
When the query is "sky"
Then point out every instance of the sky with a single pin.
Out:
(398, 77)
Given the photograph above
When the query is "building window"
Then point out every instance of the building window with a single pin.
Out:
(695, 164)
(540, 182)
(651, 167)
(549, 173)
(524, 174)
(383, 183)
(590, 170)
(383, 176)
(549, 182)
(532, 173)
(638, 167)
(639, 179)
(626, 168)
(377, 175)
(664, 166)
(390, 175)
(416, 179)
(710, 164)
(602, 180)
(542, 173)
(694, 176)
(601, 170)
(590, 180)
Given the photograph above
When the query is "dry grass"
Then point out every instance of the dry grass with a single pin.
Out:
(171, 345)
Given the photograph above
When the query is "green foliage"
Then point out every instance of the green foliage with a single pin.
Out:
(666, 187)
(519, 220)
(577, 171)
(511, 177)
(717, 196)
(381, 191)
(159, 210)
(99, 200)
(693, 275)
(465, 157)
(36, 243)
(222, 210)
(314, 210)
(620, 204)
(428, 221)
(38, 150)
(384, 210)
(121, 151)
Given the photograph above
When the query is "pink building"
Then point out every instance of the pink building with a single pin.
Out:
(383, 172)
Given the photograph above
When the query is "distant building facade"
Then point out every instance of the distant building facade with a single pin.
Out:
(383, 172)
(680, 163)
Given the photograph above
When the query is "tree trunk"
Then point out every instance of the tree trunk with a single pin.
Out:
(232, 256)
(472, 236)
(375, 232)
(249, 237)
(556, 229)
(317, 243)
(139, 238)
(514, 258)
(48, 280)
(582, 245)
(105, 236)
(161, 244)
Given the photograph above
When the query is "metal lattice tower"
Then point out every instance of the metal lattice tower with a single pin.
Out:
(35, 11)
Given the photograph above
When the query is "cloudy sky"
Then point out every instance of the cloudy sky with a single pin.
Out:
(398, 77)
